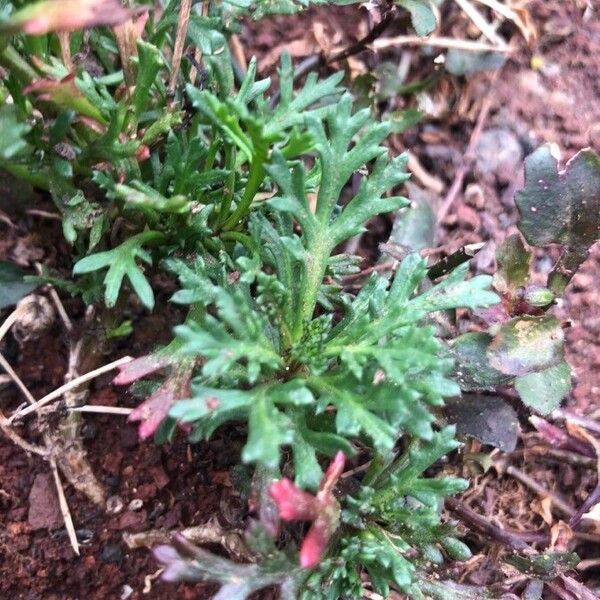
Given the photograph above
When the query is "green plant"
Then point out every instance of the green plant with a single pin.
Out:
(247, 200)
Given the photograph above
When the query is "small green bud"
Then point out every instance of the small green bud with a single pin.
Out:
(433, 554)
(536, 295)
(456, 549)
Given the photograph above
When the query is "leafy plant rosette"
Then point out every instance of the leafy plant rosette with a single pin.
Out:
(523, 345)
(246, 200)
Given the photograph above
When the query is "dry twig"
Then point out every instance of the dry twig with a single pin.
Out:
(439, 42)
(209, 533)
(560, 504)
(182, 26)
(64, 508)
(484, 525)
(75, 383)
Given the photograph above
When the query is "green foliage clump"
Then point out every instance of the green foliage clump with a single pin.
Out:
(246, 198)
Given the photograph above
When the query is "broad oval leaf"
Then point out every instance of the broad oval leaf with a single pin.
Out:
(473, 370)
(13, 287)
(421, 15)
(561, 207)
(527, 345)
(544, 391)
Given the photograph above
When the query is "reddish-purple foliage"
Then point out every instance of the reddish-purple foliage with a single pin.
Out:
(155, 408)
(322, 509)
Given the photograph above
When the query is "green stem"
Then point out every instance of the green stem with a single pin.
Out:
(211, 155)
(312, 278)
(12, 60)
(255, 179)
(37, 179)
(230, 154)
(242, 238)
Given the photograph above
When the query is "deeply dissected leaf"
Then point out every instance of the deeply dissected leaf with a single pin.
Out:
(13, 287)
(185, 562)
(561, 207)
(268, 430)
(398, 509)
(487, 418)
(239, 333)
(543, 391)
(269, 427)
(121, 262)
(527, 345)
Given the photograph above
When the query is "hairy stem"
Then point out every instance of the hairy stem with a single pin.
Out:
(15, 64)
(312, 278)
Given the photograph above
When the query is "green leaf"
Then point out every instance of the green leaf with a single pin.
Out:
(354, 415)
(307, 470)
(402, 120)
(414, 226)
(215, 52)
(421, 14)
(150, 63)
(268, 429)
(12, 284)
(454, 291)
(527, 345)
(214, 406)
(420, 455)
(513, 264)
(238, 333)
(473, 370)
(370, 200)
(294, 108)
(12, 132)
(561, 207)
(543, 391)
(121, 262)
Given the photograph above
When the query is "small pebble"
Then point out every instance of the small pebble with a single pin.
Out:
(126, 592)
(114, 505)
(111, 553)
(84, 536)
(135, 504)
